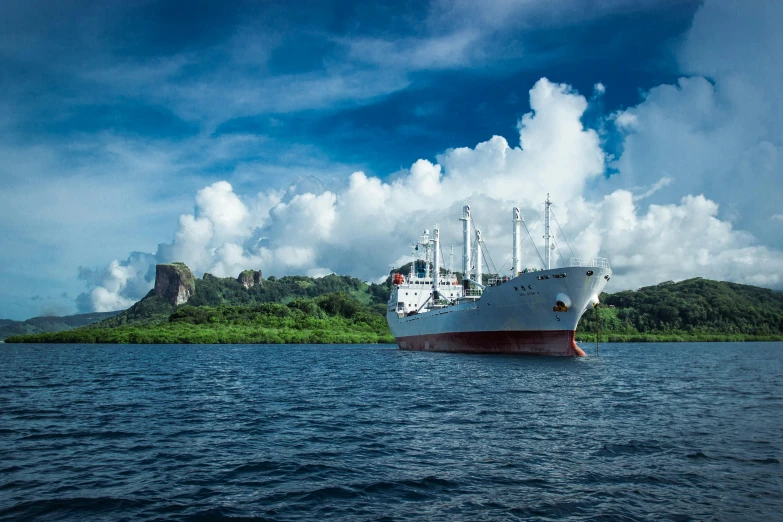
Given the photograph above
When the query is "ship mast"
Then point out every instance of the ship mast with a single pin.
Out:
(547, 235)
(435, 263)
(426, 242)
(465, 242)
(413, 263)
(478, 256)
(517, 247)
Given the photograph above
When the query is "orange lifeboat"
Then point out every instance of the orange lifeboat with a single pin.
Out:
(397, 279)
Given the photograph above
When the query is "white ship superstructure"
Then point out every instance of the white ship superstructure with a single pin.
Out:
(533, 311)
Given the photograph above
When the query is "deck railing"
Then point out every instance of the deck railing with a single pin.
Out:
(598, 262)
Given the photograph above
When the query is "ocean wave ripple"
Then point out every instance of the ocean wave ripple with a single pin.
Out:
(277, 433)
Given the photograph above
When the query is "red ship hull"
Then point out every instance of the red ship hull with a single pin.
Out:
(557, 343)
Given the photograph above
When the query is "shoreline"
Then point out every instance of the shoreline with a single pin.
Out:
(291, 336)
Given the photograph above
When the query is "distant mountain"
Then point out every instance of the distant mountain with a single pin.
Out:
(50, 323)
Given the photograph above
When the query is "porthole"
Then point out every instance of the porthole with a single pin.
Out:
(589, 272)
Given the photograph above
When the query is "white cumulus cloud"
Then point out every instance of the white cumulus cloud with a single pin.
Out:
(719, 129)
(365, 225)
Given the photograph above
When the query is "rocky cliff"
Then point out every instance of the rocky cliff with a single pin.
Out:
(250, 278)
(174, 283)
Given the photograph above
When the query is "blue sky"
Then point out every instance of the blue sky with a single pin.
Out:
(118, 117)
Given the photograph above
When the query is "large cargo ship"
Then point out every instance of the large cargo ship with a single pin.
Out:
(533, 311)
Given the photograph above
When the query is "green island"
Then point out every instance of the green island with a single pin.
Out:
(345, 310)
(247, 309)
(692, 310)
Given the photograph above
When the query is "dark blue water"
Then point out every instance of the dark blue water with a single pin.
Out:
(643, 432)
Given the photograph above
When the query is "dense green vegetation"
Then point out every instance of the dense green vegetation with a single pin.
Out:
(291, 309)
(691, 310)
(341, 309)
(214, 291)
(330, 318)
(151, 309)
(217, 291)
